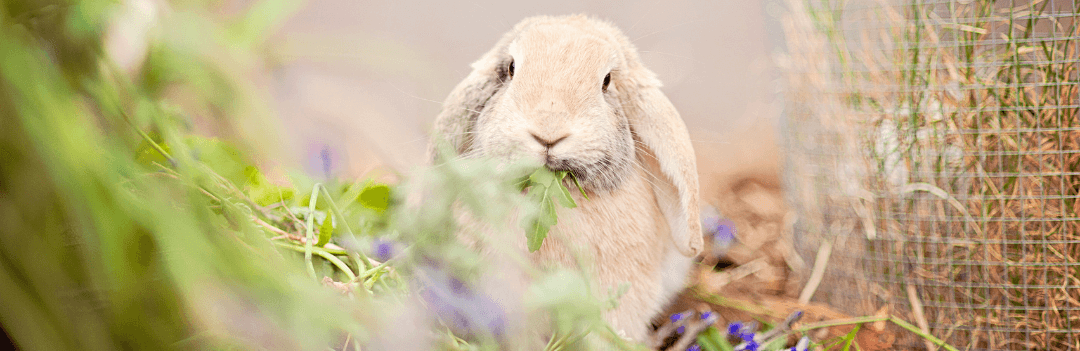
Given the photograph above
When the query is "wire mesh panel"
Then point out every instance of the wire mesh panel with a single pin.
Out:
(934, 164)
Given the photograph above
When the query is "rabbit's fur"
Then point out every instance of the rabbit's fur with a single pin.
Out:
(625, 142)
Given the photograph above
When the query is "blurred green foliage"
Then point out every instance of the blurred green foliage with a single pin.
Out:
(124, 227)
(113, 239)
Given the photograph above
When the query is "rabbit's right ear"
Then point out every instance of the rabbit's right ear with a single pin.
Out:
(455, 124)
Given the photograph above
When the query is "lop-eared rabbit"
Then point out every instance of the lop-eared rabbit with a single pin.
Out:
(572, 93)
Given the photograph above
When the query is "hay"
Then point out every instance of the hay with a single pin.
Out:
(937, 145)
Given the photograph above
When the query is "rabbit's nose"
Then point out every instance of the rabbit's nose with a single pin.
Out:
(548, 143)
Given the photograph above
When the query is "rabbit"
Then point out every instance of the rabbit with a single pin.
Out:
(572, 93)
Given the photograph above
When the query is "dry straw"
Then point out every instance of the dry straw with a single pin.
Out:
(935, 146)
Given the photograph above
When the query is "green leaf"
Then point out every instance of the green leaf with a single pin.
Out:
(223, 158)
(538, 227)
(543, 176)
(262, 191)
(326, 229)
(579, 188)
(147, 155)
(563, 195)
(850, 337)
(376, 197)
(549, 212)
(537, 235)
(712, 340)
(543, 184)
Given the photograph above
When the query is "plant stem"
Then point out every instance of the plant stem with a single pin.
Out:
(838, 322)
(356, 255)
(721, 301)
(904, 324)
(311, 228)
(307, 249)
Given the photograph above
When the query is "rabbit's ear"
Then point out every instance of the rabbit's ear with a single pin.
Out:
(454, 125)
(668, 156)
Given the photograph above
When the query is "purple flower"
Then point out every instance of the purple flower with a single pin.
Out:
(694, 347)
(724, 230)
(681, 329)
(319, 160)
(748, 346)
(744, 332)
(733, 328)
(676, 317)
(383, 249)
(458, 287)
(458, 305)
(706, 315)
(324, 156)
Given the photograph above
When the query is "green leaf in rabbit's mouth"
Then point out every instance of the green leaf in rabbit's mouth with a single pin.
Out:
(546, 187)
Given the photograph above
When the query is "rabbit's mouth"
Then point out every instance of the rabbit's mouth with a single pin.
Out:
(602, 175)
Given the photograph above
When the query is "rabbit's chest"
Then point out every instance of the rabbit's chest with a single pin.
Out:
(622, 233)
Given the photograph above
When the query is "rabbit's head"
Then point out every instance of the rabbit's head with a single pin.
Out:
(571, 93)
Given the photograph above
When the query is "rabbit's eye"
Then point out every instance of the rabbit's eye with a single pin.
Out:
(607, 80)
(510, 69)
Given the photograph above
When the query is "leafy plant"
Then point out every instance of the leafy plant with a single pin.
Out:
(547, 187)
(124, 227)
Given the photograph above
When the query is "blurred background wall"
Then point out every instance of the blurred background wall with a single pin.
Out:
(359, 82)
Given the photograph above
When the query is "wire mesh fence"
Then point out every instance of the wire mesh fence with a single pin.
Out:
(933, 161)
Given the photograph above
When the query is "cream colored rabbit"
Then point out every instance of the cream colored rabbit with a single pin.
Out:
(572, 93)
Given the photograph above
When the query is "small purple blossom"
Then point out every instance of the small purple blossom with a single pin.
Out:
(721, 229)
(724, 230)
(383, 249)
(458, 305)
(694, 347)
(319, 160)
(681, 329)
(458, 287)
(746, 333)
(733, 328)
(324, 156)
(706, 315)
(676, 317)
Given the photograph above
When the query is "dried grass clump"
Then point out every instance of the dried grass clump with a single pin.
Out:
(961, 178)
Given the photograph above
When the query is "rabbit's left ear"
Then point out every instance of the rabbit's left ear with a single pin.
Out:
(669, 157)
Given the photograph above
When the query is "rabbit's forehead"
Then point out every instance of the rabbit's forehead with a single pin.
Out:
(563, 48)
